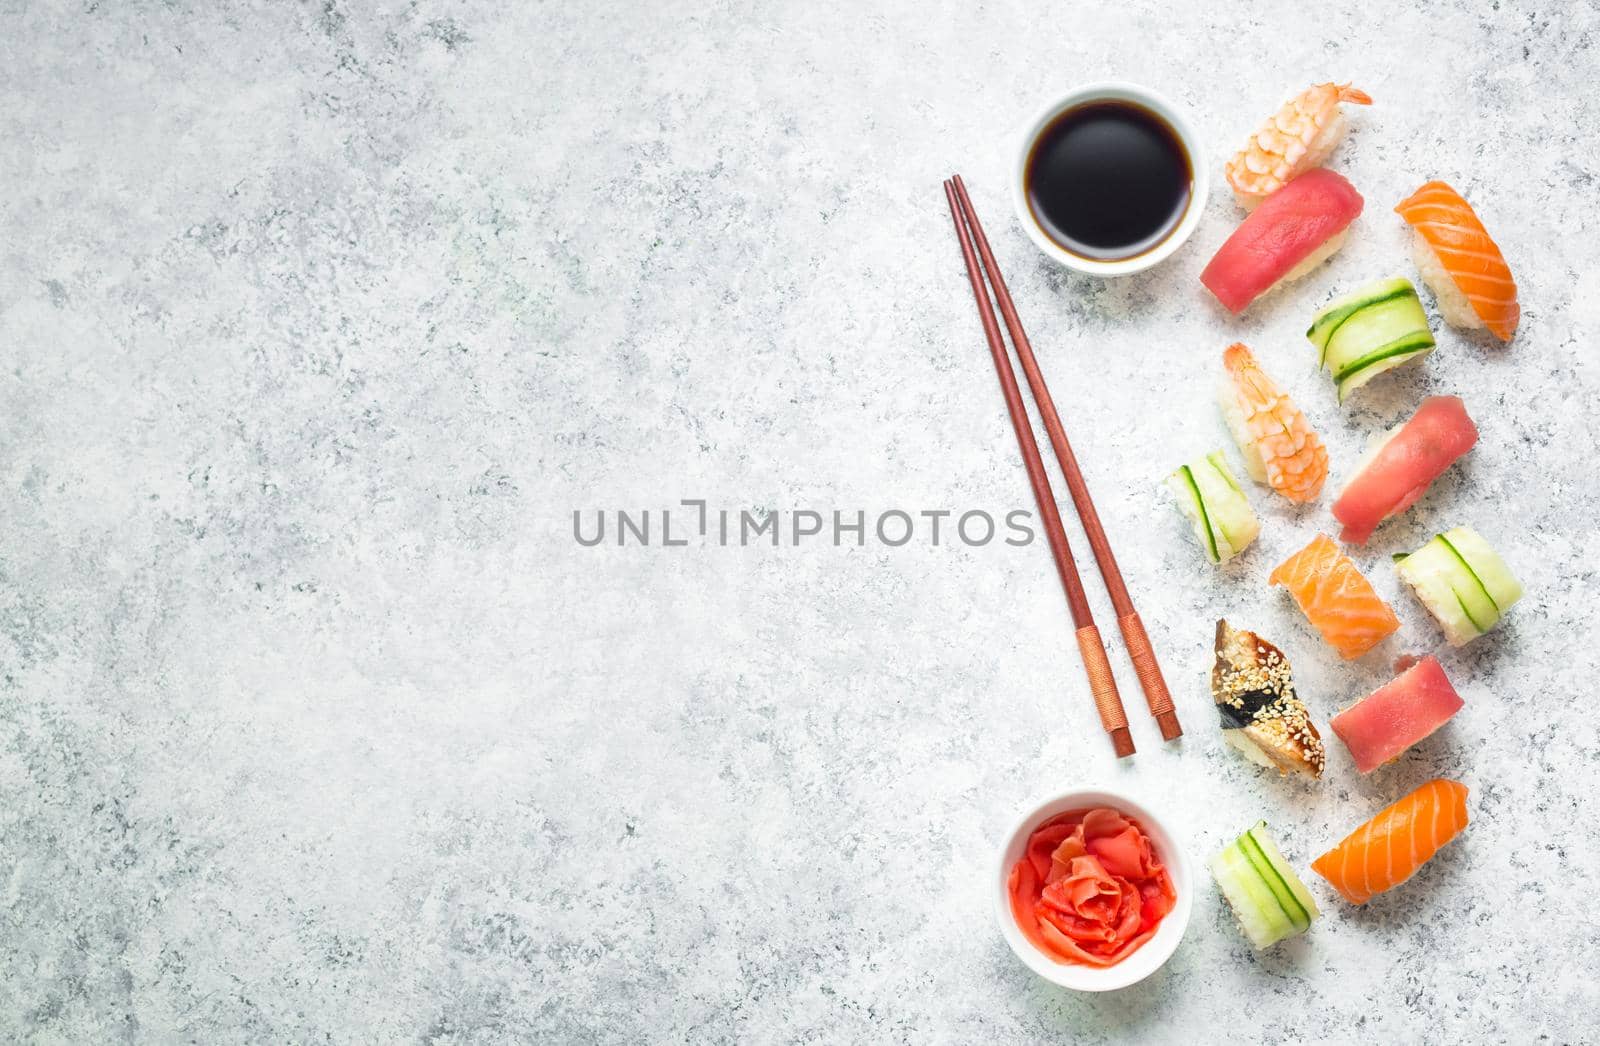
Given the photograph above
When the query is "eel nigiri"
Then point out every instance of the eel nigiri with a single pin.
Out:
(1279, 446)
(1335, 597)
(1296, 138)
(1400, 468)
(1397, 715)
(1294, 230)
(1388, 850)
(1252, 686)
(1469, 276)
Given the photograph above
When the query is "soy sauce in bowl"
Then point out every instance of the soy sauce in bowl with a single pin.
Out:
(1108, 180)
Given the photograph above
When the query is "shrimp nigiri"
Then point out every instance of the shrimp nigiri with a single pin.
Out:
(1279, 447)
(1388, 850)
(1469, 276)
(1295, 139)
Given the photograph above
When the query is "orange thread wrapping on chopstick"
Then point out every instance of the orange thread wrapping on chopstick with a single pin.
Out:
(1103, 687)
(1143, 656)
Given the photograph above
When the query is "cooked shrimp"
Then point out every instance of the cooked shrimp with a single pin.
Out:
(1298, 137)
(1279, 446)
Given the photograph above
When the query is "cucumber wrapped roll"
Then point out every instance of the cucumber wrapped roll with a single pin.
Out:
(1377, 328)
(1210, 497)
(1462, 581)
(1266, 895)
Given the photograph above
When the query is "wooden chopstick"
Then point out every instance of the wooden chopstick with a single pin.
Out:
(1102, 685)
(1134, 637)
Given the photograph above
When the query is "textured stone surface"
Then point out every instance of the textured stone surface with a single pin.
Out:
(317, 323)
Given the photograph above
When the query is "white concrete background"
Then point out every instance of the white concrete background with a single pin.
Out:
(318, 322)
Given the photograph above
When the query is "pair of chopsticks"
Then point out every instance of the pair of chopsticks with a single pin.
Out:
(1102, 685)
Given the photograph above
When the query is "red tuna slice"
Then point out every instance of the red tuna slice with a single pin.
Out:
(1397, 715)
(1280, 234)
(1403, 467)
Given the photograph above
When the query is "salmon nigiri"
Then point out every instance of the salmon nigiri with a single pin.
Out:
(1335, 597)
(1388, 850)
(1279, 447)
(1456, 257)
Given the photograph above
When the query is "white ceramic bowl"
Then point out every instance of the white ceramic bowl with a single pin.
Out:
(1154, 952)
(1112, 91)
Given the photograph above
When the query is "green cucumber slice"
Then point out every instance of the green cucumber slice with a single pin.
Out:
(1477, 584)
(1333, 315)
(1486, 565)
(1374, 330)
(1269, 875)
(1384, 358)
(1454, 596)
(1226, 505)
(1219, 462)
(1374, 325)
(1266, 895)
(1205, 518)
(1260, 916)
(1286, 874)
(1210, 498)
(1404, 345)
(1187, 494)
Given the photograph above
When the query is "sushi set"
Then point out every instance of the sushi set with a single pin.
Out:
(1109, 181)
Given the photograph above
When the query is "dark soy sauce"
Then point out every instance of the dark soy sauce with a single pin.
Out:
(1108, 180)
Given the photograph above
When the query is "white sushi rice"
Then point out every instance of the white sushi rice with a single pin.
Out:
(1375, 447)
(1233, 416)
(1433, 591)
(1453, 305)
(1329, 248)
(1248, 748)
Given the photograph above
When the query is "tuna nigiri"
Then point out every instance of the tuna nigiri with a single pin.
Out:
(1335, 597)
(1279, 446)
(1388, 850)
(1399, 470)
(1298, 137)
(1294, 230)
(1397, 715)
(1456, 257)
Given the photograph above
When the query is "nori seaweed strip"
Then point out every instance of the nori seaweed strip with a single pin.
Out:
(1251, 702)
